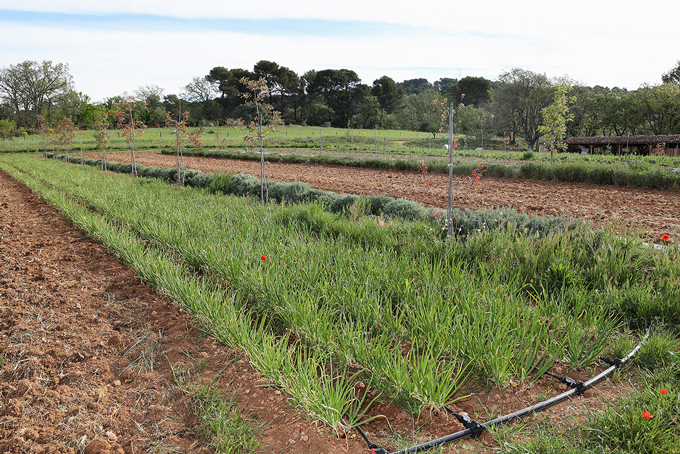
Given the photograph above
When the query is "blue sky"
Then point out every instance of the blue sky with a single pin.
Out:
(112, 47)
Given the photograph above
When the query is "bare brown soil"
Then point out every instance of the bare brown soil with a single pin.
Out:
(86, 348)
(654, 212)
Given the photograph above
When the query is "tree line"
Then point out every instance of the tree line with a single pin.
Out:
(511, 106)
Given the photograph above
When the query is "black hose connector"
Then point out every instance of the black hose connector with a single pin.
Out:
(475, 428)
(579, 386)
(616, 362)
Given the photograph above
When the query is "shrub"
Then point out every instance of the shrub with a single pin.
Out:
(201, 180)
(601, 175)
(113, 166)
(342, 203)
(314, 195)
(404, 209)
(376, 203)
(168, 174)
(290, 192)
(124, 168)
(190, 174)
(150, 172)
(221, 183)
(244, 184)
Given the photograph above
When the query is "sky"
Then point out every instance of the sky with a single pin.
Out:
(112, 47)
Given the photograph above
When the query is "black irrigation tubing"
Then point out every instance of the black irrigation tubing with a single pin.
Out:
(474, 429)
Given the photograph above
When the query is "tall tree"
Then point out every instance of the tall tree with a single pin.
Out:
(149, 94)
(388, 93)
(200, 89)
(523, 94)
(340, 91)
(555, 118)
(369, 113)
(673, 75)
(221, 77)
(30, 88)
(445, 82)
(660, 107)
(283, 83)
(228, 82)
(416, 86)
(421, 112)
(476, 90)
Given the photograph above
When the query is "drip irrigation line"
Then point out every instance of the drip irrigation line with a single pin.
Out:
(474, 429)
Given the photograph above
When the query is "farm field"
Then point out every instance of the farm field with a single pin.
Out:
(306, 316)
(97, 347)
(656, 212)
(343, 142)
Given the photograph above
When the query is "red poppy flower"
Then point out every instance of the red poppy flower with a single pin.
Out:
(646, 415)
(664, 391)
(264, 258)
(666, 237)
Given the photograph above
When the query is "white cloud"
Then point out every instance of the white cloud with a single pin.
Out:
(584, 40)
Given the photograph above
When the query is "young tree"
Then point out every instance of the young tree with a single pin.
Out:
(131, 128)
(47, 137)
(256, 132)
(555, 119)
(101, 132)
(66, 132)
(182, 136)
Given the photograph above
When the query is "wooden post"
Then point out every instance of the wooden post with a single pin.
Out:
(591, 148)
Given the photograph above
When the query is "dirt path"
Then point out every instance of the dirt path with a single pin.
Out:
(656, 212)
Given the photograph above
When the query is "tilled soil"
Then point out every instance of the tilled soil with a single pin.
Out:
(654, 212)
(87, 350)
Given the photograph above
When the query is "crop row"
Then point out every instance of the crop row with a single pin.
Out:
(309, 295)
(617, 173)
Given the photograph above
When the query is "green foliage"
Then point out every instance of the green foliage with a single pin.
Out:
(150, 172)
(404, 209)
(6, 128)
(245, 185)
(221, 183)
(555, 119)
(658, 350)
(220, 419)
(343, 203)
(622, 428)
(376, 203)
(296, 192)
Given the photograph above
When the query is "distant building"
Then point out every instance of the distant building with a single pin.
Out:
(644, 145)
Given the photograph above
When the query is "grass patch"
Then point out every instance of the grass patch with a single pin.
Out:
(220, 419)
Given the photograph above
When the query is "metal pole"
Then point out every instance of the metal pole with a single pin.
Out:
(449, 214)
